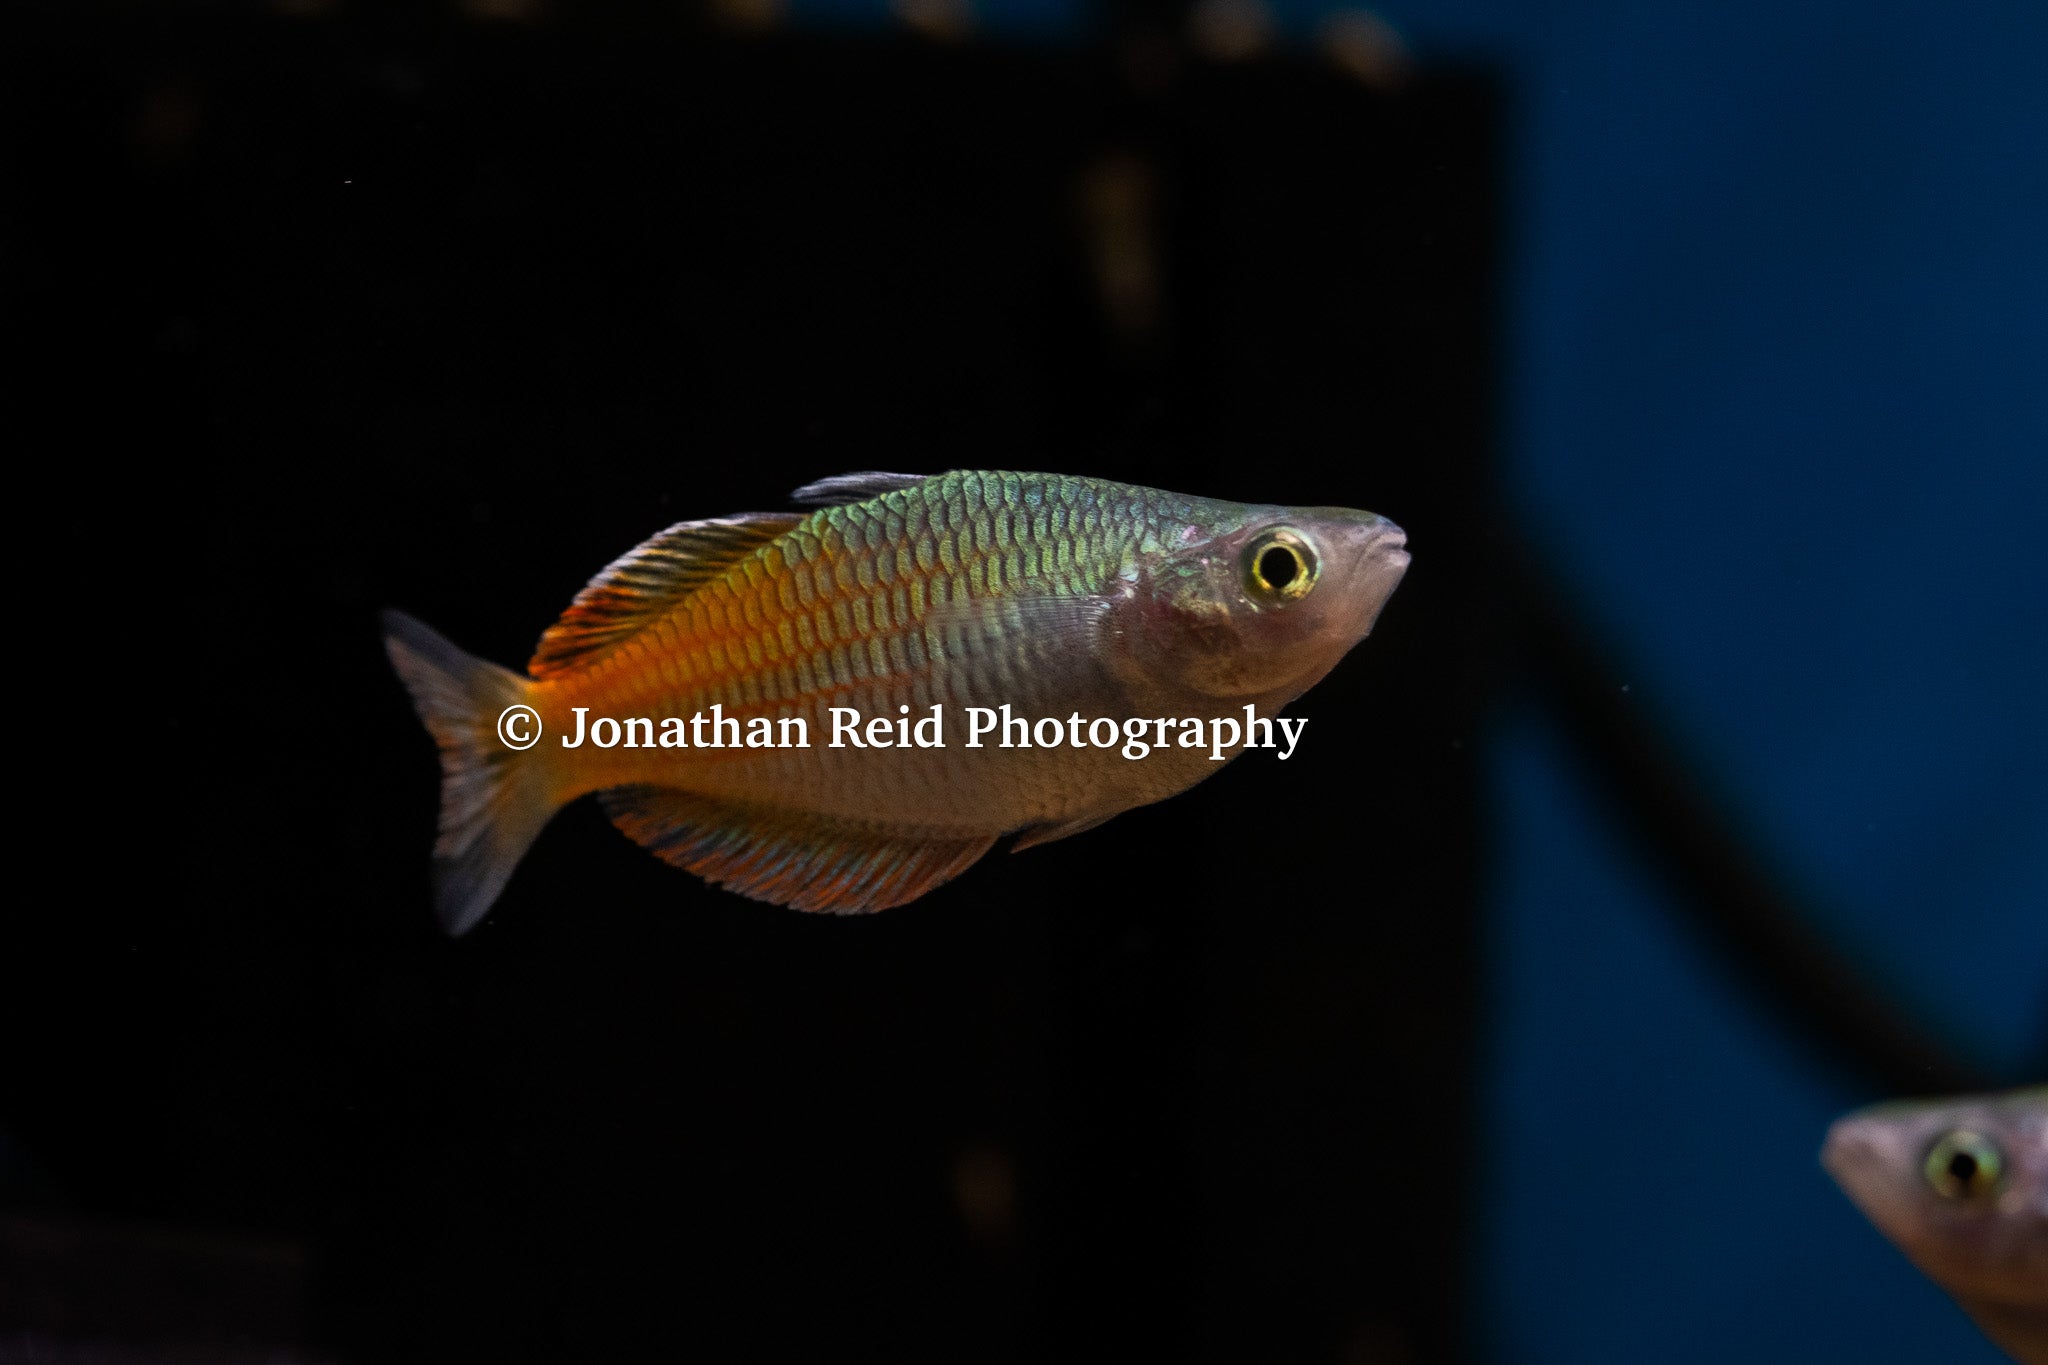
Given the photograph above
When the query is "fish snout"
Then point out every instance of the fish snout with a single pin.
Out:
(1366, 540)
(1850, 1150)
(1388, 542)
(1376, 546)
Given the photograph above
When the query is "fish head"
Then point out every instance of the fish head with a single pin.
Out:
(1259, 605)
(1960, 1185)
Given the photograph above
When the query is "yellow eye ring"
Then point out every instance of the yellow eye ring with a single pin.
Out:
(1963, 1165)
(1280, 565)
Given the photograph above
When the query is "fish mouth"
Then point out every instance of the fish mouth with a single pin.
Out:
(1845, 1146)
(1855, 1156)
(1389, 545)
(1366, 543)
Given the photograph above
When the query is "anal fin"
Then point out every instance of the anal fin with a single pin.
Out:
(786, 859)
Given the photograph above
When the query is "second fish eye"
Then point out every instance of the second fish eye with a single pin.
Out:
(1280, 565)
(1963, 1165)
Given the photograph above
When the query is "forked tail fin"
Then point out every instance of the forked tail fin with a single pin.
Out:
(494, 798)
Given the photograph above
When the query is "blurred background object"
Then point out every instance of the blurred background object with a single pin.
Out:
(73, 1293)
(1692, 790)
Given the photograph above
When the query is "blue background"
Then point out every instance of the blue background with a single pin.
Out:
(1778, 367)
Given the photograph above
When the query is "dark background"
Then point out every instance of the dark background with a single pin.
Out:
(362, 308)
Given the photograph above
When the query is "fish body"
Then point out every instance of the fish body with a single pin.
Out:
(1961, 1185)
(1056, 596)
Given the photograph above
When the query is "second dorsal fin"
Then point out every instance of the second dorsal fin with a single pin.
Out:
(640, 585)
(844, 488)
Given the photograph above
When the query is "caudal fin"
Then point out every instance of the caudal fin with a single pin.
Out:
(494, 798)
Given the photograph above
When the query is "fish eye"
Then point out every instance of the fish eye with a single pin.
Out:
(1963, 1165)
(1280, 565)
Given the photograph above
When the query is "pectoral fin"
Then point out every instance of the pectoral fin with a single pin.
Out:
(1033, 835)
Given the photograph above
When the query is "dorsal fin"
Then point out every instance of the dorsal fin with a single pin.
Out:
(859, 487)
(640, 585)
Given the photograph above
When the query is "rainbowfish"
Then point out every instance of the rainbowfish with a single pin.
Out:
(900, 597)
(1962, 1186)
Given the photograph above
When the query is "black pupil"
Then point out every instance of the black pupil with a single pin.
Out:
(1963, 1167)
(1277, 567)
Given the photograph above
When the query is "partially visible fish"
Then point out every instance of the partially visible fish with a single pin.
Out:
(1063, 598)
(1961, 1185)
